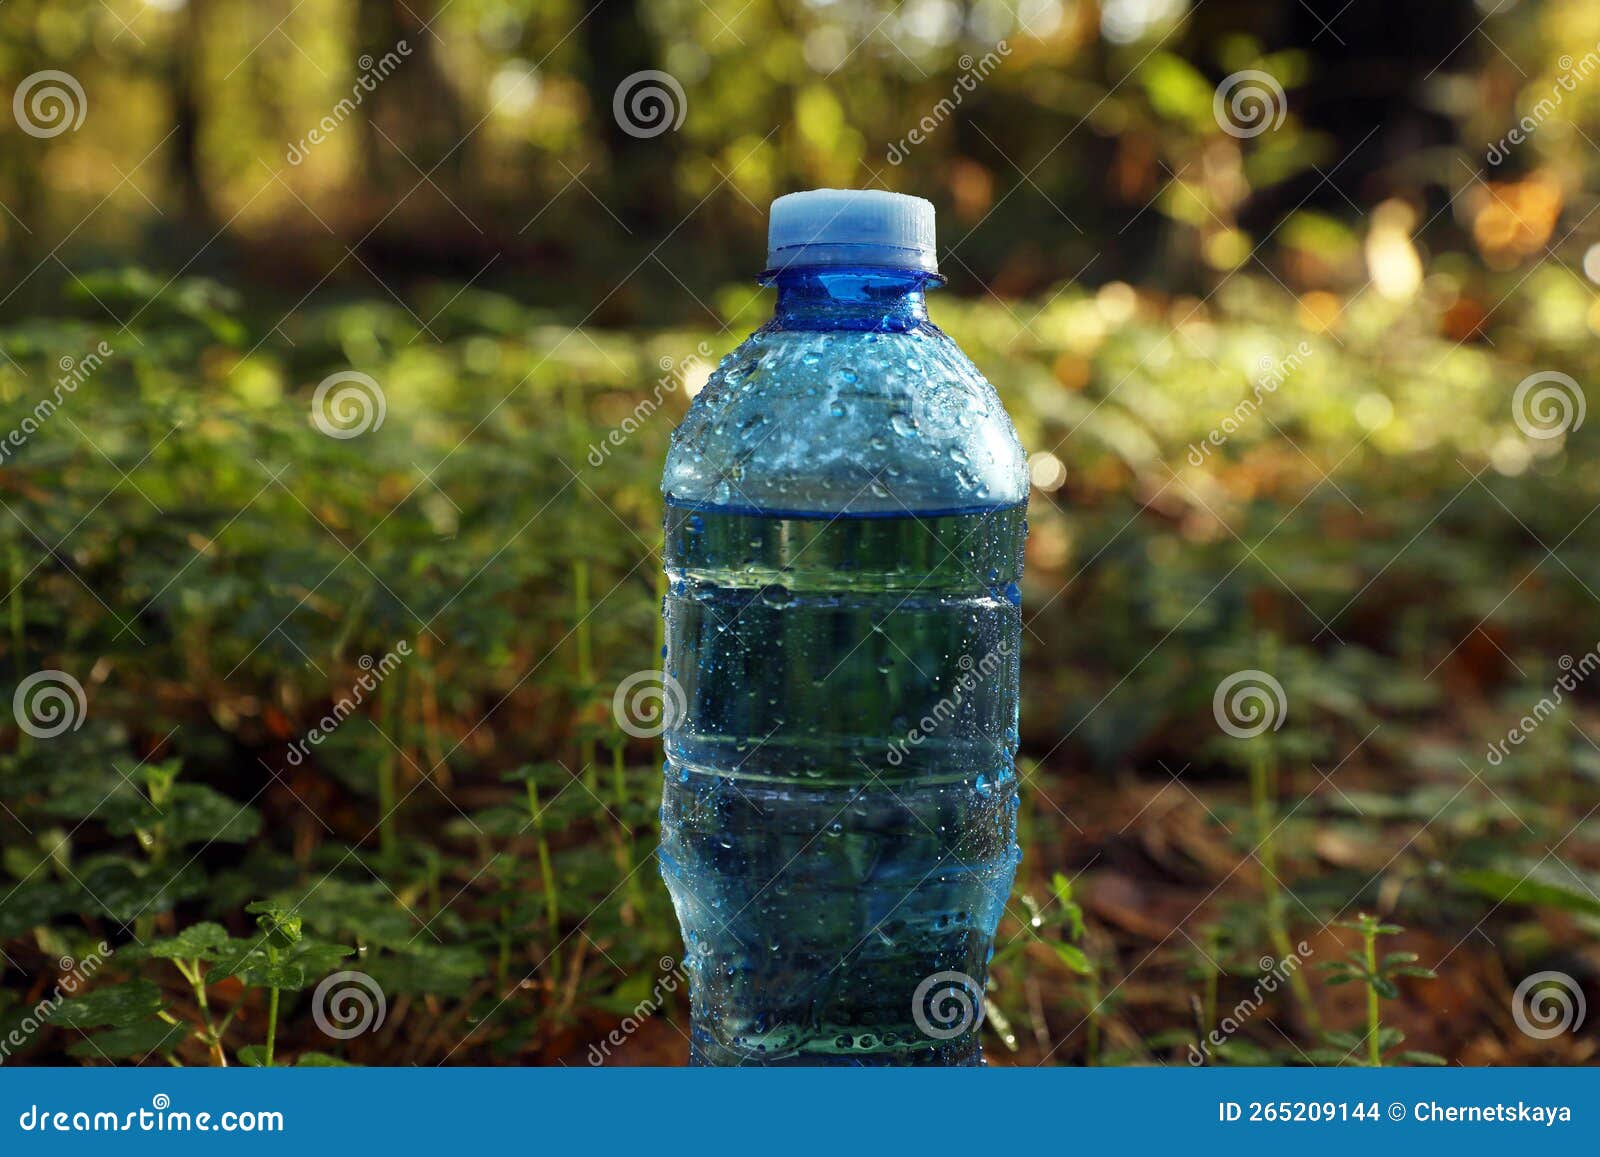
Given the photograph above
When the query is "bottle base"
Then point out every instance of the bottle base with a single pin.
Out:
(705, 1052)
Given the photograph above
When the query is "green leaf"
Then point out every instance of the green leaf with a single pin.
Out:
(261, 965)
(1176, 89)
(1416, 970)
(1239, 1051)
(501, 820)
(188, 813)
(197, 814)
(125, 889)
(1418, 1058)
(1339, 972)
(1073, 957)
(318, 957)
(198, 941)
(320, 1061)
(30, 905)
(1062, 887)
(120, 1004)
(253, 1056)
(1536, 885)
(158, 775)
(195, 298)
(139, 1039)
(1333, 1057)
(368, 912)
(282, 924)
(444, 970)
(550, 774)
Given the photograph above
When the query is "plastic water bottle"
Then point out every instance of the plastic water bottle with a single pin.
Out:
(844, 530)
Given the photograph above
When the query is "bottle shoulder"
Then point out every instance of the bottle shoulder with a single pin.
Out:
(847, 421)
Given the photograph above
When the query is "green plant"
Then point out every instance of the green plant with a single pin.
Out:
(1377, 974)
(1064, 915)
(140, 1021)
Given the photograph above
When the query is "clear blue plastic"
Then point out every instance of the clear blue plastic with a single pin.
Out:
(844, 534)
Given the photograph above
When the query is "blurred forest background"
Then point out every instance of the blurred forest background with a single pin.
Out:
(1303, 377)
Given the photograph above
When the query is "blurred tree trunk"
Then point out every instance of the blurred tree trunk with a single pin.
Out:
(618, 43)
(185, 82)
(27, 199)
(416, 109)
(1366, 95)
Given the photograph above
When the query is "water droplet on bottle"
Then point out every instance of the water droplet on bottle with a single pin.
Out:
(776, 596)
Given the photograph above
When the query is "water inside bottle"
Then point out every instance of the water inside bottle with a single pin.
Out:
(839, 812)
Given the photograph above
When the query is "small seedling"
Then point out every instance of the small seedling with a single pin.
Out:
(1379, 977)
(1065, 914)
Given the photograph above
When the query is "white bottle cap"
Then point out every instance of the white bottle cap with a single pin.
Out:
(866, 227)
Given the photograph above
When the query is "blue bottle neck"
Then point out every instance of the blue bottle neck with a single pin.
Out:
(821, 297)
